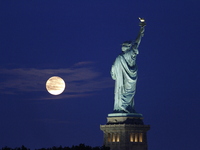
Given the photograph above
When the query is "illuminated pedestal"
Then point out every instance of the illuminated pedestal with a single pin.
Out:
(125, 132)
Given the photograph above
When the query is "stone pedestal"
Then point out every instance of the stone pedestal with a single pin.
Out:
(125, 132)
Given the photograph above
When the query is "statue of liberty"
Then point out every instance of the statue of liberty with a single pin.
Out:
(124, 72)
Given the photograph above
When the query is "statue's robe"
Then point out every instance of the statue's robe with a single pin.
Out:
(124, 72)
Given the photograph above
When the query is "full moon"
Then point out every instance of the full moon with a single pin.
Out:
(55, 85)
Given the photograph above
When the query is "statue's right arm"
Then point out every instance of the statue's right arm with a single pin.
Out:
(140, 34)
(139, 37)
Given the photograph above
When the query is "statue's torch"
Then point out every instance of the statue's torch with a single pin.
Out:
(142, 22)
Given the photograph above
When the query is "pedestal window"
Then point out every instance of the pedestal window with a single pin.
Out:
(136, 137)
(113, 137)
(109, 137)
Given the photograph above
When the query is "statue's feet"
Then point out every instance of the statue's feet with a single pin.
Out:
(120, 111)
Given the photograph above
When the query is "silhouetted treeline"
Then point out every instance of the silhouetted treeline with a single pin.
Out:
(17, 148)
(79, 147)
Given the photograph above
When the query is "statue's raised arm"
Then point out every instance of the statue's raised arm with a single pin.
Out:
(137, 41)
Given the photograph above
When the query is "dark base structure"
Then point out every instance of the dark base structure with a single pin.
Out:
(125, 132)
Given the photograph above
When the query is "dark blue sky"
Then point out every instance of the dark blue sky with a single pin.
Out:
(78, 41)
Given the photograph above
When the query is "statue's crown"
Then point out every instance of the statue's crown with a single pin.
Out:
(127, 43)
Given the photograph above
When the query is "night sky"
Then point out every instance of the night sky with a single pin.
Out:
(79, 40)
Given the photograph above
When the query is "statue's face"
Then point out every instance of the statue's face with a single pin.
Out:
(136, 51)
(126, 46)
